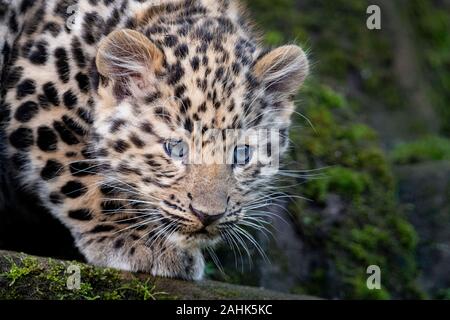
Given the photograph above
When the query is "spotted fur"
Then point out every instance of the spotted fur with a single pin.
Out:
(88, 106)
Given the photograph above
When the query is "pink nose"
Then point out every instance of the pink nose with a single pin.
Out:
(205, 218)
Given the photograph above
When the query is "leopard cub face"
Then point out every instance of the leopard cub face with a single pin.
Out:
(183, 129)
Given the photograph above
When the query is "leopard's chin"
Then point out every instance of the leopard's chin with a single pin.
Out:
(199, 239)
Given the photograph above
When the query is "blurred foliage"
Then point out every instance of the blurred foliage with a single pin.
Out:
(368, 227)
(426, 149)
(444, 294)
(29, 277)
(431, 26)
(359, 62)
(339, 45)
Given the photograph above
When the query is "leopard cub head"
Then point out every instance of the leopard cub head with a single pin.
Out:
(184, 123)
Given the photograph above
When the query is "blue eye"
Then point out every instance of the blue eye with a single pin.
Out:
(242, 155)
(177, 150)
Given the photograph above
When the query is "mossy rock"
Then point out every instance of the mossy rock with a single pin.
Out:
(28, 277)
(369, 228)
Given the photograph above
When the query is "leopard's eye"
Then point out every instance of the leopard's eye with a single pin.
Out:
(176, 149)
(242, 155)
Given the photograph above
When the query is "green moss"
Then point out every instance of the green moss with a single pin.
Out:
(346, 54)
(443, 294)
(361, 290)
(431, 22)
(273, 38)
(28, 277)
(341, 46)
(368, 228)
(426, 149)
(28, 266)
(338, 179)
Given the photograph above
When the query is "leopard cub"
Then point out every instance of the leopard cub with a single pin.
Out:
(105, 103)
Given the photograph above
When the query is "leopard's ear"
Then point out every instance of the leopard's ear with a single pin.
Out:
(129, 58)
(282, 70)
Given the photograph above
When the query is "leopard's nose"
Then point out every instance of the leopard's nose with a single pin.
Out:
(206, 218)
